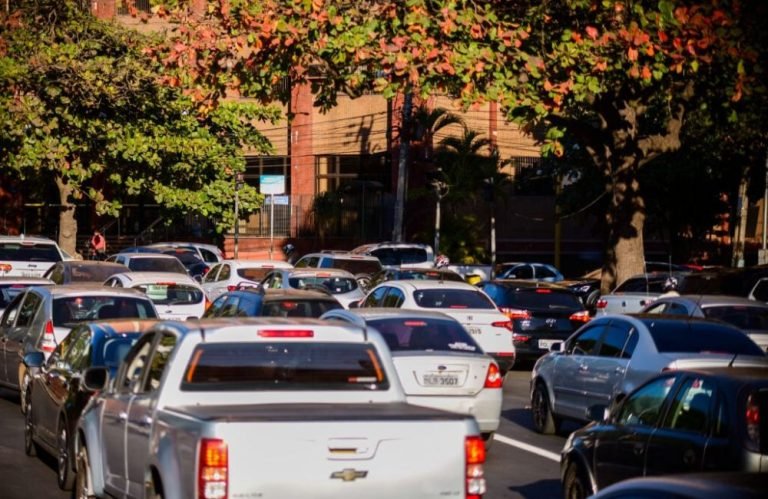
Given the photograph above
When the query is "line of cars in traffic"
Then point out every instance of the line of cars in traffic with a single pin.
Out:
(445, 344)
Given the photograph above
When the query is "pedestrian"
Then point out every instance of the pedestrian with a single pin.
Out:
(98, 245)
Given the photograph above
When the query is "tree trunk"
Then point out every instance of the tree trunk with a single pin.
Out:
(67, 221)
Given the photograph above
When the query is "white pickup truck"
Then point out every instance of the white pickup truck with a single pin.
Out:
(268, 408)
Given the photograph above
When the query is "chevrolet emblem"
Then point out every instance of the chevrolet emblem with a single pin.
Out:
(349, 475)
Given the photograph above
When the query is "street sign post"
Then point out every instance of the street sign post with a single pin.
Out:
(272, 185)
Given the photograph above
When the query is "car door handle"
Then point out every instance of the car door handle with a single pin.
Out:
(145, 421)
(122, 416)
(619, 370)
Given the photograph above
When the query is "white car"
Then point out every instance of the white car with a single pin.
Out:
(24, 256)
(490, 328)
(149, 262)
(231, 274)
(437, 361)
(208, 253)
(400, 255)
(175, 296)
(339, 283)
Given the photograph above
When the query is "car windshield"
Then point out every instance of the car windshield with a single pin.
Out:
(29, 252)
(334, 284)
(297, 308)
(402, 334)
(538, 299)
(150, 264)
(70, 310)
(83, 272)
(255, 273)
(170, 293)
(452, 298)
(284, 366)
(353, 266)
(186, 257)
(685, 337)
(400, 256)
(743, 317)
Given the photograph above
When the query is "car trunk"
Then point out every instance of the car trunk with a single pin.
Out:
(440, 373)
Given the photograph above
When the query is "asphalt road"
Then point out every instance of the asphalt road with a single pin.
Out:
(521, 463)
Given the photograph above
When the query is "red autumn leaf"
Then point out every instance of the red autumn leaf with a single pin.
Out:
(592, 32)
(634, 72)
(576, 37)
(646, 73)
(548, 86)
(677, 43)
(601, 66)
(632, 54)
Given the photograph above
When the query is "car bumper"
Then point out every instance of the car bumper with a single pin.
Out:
(505, 360)
(485, 406)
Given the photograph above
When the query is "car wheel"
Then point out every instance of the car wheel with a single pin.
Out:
(84, 477)
(30, 447)
(575, 484)
(543, 420)
(64, 475)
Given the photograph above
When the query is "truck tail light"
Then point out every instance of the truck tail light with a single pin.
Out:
(494, 378)
(213, 469)
(752, 415)
(515, 313)
(582, 316)
(601, 303)
(49, 340)
(474, 452)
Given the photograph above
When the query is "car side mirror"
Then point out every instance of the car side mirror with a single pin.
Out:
(95, 379)
(556, 346)
(598, 412)
(34, 359)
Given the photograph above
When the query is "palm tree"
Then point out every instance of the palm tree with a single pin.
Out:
(427, 122)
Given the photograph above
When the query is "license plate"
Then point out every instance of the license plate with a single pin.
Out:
(545, 344)
(440, 380)
(474, 330)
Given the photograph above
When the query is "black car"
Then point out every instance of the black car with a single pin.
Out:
(703, 420)
(55, 397)
(396, 274)
(732, 485)
(258, 302)
(77, 271)
(194, 265)
(542, 313)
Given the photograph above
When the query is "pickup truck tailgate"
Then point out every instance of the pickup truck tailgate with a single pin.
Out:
(347, 450)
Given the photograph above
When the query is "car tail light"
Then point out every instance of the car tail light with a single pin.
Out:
(543, 291)
(474, 452)
(582, 316)
(515, 313)
(207, 303)
(213, 469)
(504, 324)
(231, 287)
(205, 270)
(49, 340)
(286, 333)
(493, 379)
(752, 415)
(601, 303)
(521, 338)
(6, 267)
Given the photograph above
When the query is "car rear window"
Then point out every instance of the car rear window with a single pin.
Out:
(29, 252)
(168, 293)
(743, 317)
(254, 274)
(425, 334)
(428, 275)
(71, 310)
(452, 298)
(641, 285)
(298, 308)
(352, 266)
(685, 337)
(84, 272)
(335, 285)
(10, 291)
(156, 265)
(542, 299)
(295, 365)
(400, 256)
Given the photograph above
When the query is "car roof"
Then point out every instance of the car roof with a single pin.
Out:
(278, 264)
(220, 328)
(89, 289)
(90, 263)
(296, 294)
(417, 284)
(115, 327)
(374, 313)
(528, 284)
(713, 300)
(154, 277)
(315, 271)
(751, 373)
(146, 255)
(343, 255)
(30, 239)
(24, 280)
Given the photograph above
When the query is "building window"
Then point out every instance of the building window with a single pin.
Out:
(335, 172)
(141, 6)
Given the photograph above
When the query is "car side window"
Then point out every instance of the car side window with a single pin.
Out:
(230, 307)
(376, 298)
(676, 309)
(692, 406)
(159, 362)
(721, 423)
(245, 305)
(211, 275)
(208, 256)
(657, 308)
(215, 309)
(327, 263)
(135, 365)
(543, 272)
(56, 274)
(521, 272)
(643, 407)
(302, 263)
(585, 343)
(12, 311)
(394, 298)
(79, 350)
(224, 273)
(614, 340)
(28, 310)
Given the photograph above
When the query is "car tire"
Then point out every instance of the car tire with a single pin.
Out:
(543, 420)
(83, 488)
(31, 448)
(64, 475)
(575, 483)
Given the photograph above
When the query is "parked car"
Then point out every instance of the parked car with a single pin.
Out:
(341, 284)
(11, 287)
(635, 293)
(176, 296)
(404, 274)
(541, 313)
(231, 274)
(399, 255)
(22, 256)
(747, 315)
(469, 305)
(611, 355)
(208, 253)
(149, 262)
(251, 302)
(268, 407)
(681, 421)
(361, 266)
(196, 267)
(55, 396)
(80, 271)
(759, 291)
(709, 485)
(41, 317)
(587, 289)
(526, 270)
(437, 361)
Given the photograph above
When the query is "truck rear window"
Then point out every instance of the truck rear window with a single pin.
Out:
(284, 366)
(29, 252)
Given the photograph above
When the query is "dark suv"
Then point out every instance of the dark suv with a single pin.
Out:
(541, 313)
(258, 302)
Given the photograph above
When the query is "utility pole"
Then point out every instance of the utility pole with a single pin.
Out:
(439, 183)
(402, 165)
(763, 253)
(239, 177)
(489, 194)
(558, 223)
